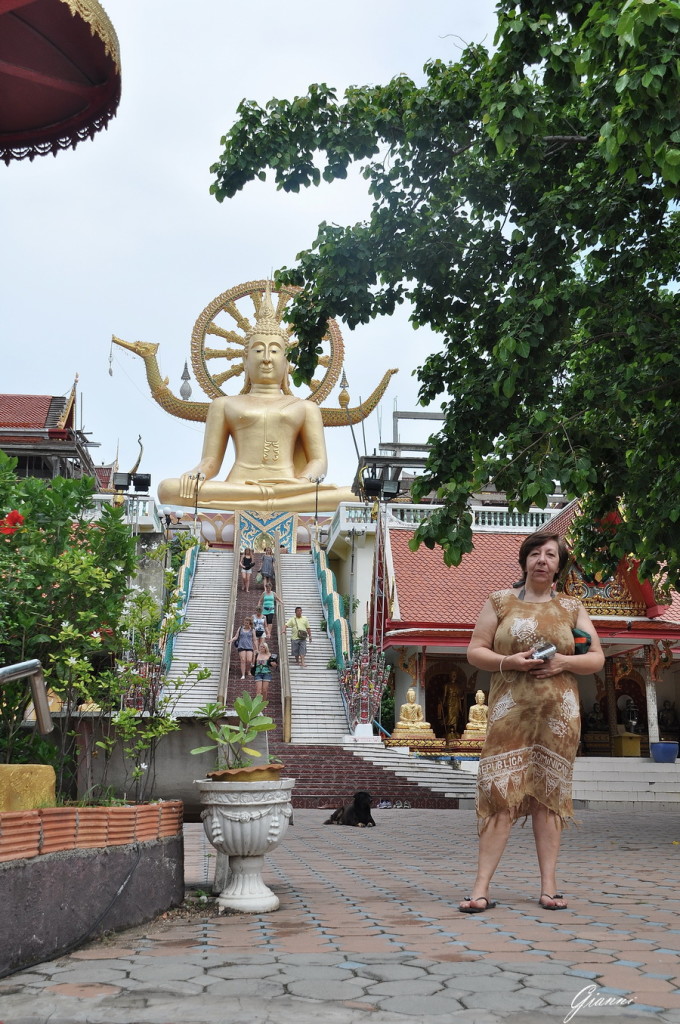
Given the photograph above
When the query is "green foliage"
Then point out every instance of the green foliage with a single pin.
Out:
(230, 741)
(63, 583)
(142, 699)
(346, 605)
(332, 663)
(387, 709)
(525, 202)
(65, 599)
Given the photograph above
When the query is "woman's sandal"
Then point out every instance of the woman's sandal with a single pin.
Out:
(490, 904)
(546, 896)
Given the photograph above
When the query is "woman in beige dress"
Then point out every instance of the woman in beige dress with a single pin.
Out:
(533, 729)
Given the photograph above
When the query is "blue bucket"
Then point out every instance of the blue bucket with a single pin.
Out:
(664, 752)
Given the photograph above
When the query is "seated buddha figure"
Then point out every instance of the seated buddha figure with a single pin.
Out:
(477, 718)
(279, 447)
(411, 718)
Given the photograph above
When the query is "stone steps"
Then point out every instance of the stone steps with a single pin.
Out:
(329, 778)
(437, 776)
(203, 641)
(318, 714)
(616, 782)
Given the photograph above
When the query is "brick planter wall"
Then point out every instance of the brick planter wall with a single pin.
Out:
(70, 874)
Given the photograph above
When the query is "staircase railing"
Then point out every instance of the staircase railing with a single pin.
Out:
(41, 705)
(225, 665)
(284, 669)
(179, 602)
(337, 624)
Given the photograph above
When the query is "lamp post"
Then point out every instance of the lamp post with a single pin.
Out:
(317, 480)
(198, 478)
(167, 519)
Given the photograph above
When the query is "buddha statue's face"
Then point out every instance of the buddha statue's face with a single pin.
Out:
(266, 361)
(479, 696)
(411, 696)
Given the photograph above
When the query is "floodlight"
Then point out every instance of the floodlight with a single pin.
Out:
(141, 482)
(121, 481)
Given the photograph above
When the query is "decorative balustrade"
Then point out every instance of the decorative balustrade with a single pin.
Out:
(501, 519)
(337, 625)
(363, 682)
(485, 518)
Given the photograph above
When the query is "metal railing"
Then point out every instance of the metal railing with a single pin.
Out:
(41, 705)
(180, 600)
(284, 669)
(223, 684)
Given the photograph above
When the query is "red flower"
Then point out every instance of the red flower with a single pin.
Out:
(12, 521)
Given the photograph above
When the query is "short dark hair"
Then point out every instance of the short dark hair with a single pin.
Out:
(298, 606)
(536, 540)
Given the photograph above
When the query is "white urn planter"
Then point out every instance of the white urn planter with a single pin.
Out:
(244, 821)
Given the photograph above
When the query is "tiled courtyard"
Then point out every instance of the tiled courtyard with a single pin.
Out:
(369, 930)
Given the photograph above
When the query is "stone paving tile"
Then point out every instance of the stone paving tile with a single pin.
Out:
(353, 905)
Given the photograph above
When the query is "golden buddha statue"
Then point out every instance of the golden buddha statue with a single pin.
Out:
(411, 718)
(477, 718)
(279, 447)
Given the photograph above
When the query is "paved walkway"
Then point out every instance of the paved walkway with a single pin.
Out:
(369, 930)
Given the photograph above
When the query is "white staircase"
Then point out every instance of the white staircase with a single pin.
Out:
(434, 776)
(318, 714)
(203, 641)
(631, 782)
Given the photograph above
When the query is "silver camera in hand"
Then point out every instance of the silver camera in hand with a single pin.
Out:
(543, 651)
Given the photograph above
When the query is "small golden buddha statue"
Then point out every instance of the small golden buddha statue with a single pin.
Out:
(477, 718)
(411, 718)
(279, 447)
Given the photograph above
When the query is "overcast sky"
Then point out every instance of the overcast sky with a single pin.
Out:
(121, 235)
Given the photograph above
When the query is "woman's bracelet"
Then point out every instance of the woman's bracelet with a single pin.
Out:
(500, 667)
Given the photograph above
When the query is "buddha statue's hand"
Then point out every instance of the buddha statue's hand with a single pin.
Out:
(190, 483)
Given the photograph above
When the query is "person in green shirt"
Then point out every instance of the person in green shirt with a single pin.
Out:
(301, 635)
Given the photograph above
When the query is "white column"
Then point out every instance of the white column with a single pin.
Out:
(650, 693)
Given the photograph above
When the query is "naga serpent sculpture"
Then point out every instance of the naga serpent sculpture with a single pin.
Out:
(208, 324)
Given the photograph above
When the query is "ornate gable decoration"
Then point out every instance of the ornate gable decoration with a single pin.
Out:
(610, 597)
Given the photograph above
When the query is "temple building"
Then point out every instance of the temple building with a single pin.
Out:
(40, 431)
(422, 612)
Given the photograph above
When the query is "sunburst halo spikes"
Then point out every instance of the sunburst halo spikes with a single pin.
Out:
(223, 318)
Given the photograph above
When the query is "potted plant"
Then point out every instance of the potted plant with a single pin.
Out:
(230, 741)
(243, 819)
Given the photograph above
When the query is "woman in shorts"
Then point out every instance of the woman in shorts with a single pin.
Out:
(246, 568)
(244, 638)
(259, 628)
(263, 670)
(268, 605)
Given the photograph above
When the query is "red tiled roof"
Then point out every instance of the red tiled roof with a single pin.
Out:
(430, 591)
(103, 476)
(561, 523)
(672, 614)
(432, 594)
(24, 410)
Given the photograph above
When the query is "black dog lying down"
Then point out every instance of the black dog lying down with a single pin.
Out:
(358, 813)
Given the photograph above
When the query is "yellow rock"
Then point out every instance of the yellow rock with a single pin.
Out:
(23, 787)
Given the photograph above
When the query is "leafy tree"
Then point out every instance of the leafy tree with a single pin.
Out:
(525, 202)
(63, 584)
(66, 599)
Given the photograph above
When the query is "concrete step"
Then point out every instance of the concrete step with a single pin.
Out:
(318, 714)
(433, 775)
(203, 641)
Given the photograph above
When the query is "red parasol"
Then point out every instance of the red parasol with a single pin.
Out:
(59, 75)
